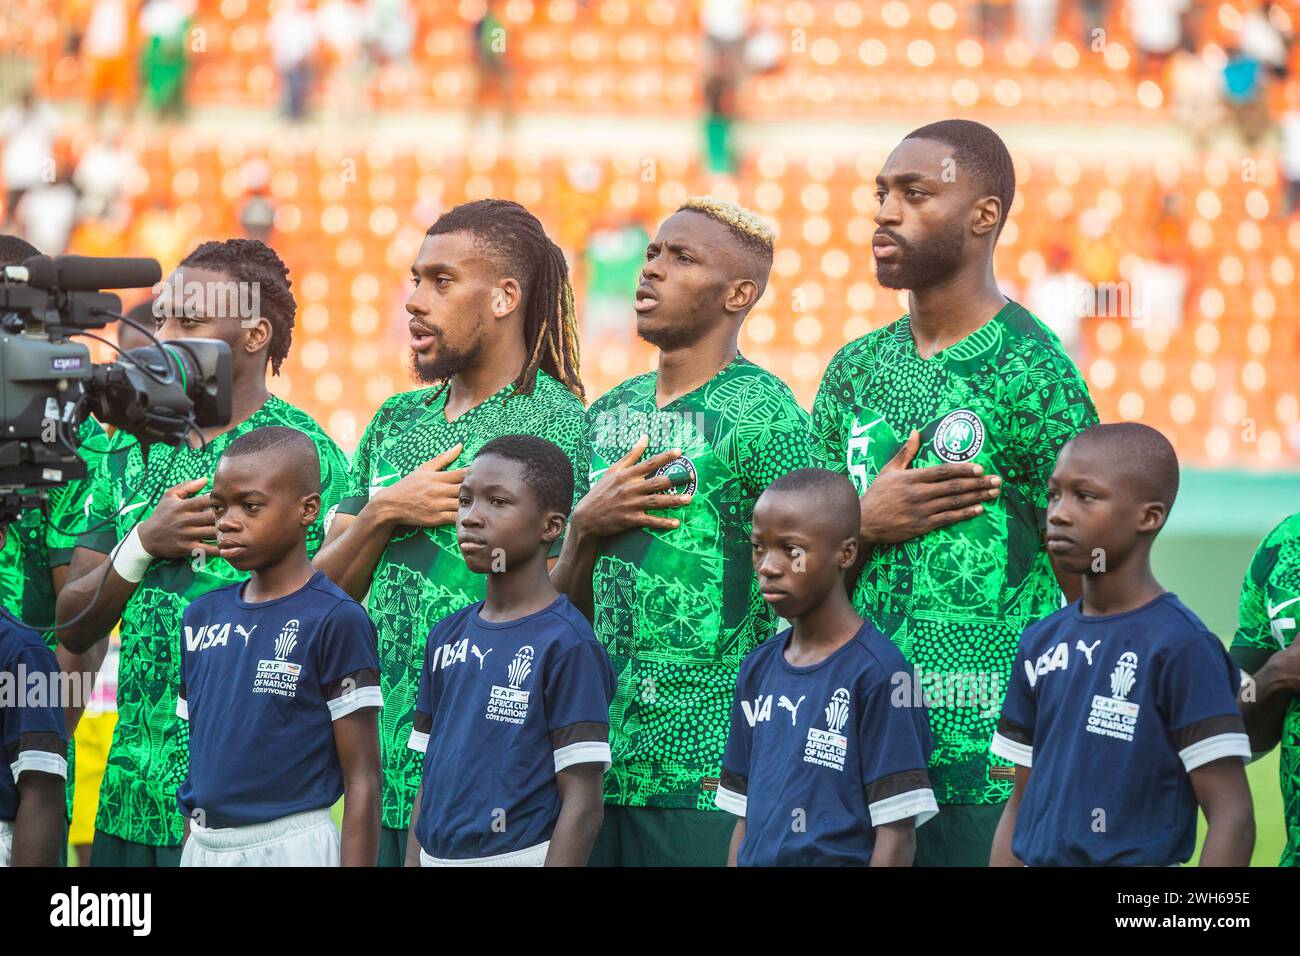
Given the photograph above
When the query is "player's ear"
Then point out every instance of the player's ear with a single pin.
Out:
(310, 509)
(553, 528)
(987, 215)
(1151, 517)
(848, 553)
(741, 295)
(257, 334)
(505, 297)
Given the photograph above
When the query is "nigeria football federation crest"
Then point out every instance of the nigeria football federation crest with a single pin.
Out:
(959, 437)
(682, 471)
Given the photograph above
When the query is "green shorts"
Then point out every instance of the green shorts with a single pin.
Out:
(961, 835)
(392, 847)
(658, 836)
(108, 850)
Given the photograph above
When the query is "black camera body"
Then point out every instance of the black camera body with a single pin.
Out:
(49, 385)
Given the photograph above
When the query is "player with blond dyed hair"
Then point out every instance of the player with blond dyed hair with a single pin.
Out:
(658, 552)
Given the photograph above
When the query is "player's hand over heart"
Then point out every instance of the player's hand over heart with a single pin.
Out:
(627, 492)
(427, 497)
(182, 524)
(904, 503)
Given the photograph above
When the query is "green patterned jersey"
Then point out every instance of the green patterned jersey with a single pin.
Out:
(1267, 622)
(43, 538)
(39, 541)
(149, 758)
(956, 599)
(421, 576)
(678, 610)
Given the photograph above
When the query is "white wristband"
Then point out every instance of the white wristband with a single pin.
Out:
(130, 559)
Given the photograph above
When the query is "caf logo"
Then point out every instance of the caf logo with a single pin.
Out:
(959, 437)
(682, 471)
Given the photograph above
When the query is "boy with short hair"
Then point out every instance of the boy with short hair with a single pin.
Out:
(1123, 703)
(844, 782)
(513, 708)
(34, 739)
(279, 680)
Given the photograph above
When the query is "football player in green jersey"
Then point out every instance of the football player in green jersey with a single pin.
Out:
(148, 549)
(949, 421)
(1265, 647)
(494, 342)
(673, 596)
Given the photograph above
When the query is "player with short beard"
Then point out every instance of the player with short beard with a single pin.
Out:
(949, 421)
(494, 341)
(673, 596)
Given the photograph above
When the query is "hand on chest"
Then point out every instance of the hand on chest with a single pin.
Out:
(967, 433)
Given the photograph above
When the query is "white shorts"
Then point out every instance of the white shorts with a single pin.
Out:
(303, 839)
(532, 856)
(6, 841)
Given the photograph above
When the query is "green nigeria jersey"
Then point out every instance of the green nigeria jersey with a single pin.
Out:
(43, 537)
(149, 758)
(1270, 608)
(39, 541)
(678, 610)
(421, 576)
(956, 599)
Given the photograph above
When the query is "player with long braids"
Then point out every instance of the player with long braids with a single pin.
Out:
(148, 543)
(494, 345)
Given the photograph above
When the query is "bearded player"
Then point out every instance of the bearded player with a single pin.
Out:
(949, 421)
(494, 345)
(673, 596)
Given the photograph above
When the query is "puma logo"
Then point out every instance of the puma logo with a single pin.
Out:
(481, 655)
(239, 629)
(784, 704)
(1087, 649)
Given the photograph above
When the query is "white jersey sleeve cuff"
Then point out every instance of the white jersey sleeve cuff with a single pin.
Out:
(182, 708)
(583, 751)
(354, 700)
(914, 803)
(418, 741)
(1215, 748)
(41, 760)
(1007, 749)
(731, 801)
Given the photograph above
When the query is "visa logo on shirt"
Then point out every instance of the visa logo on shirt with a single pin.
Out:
(758, 709)
(1058, 658)
(447, 654)
(206, 636)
